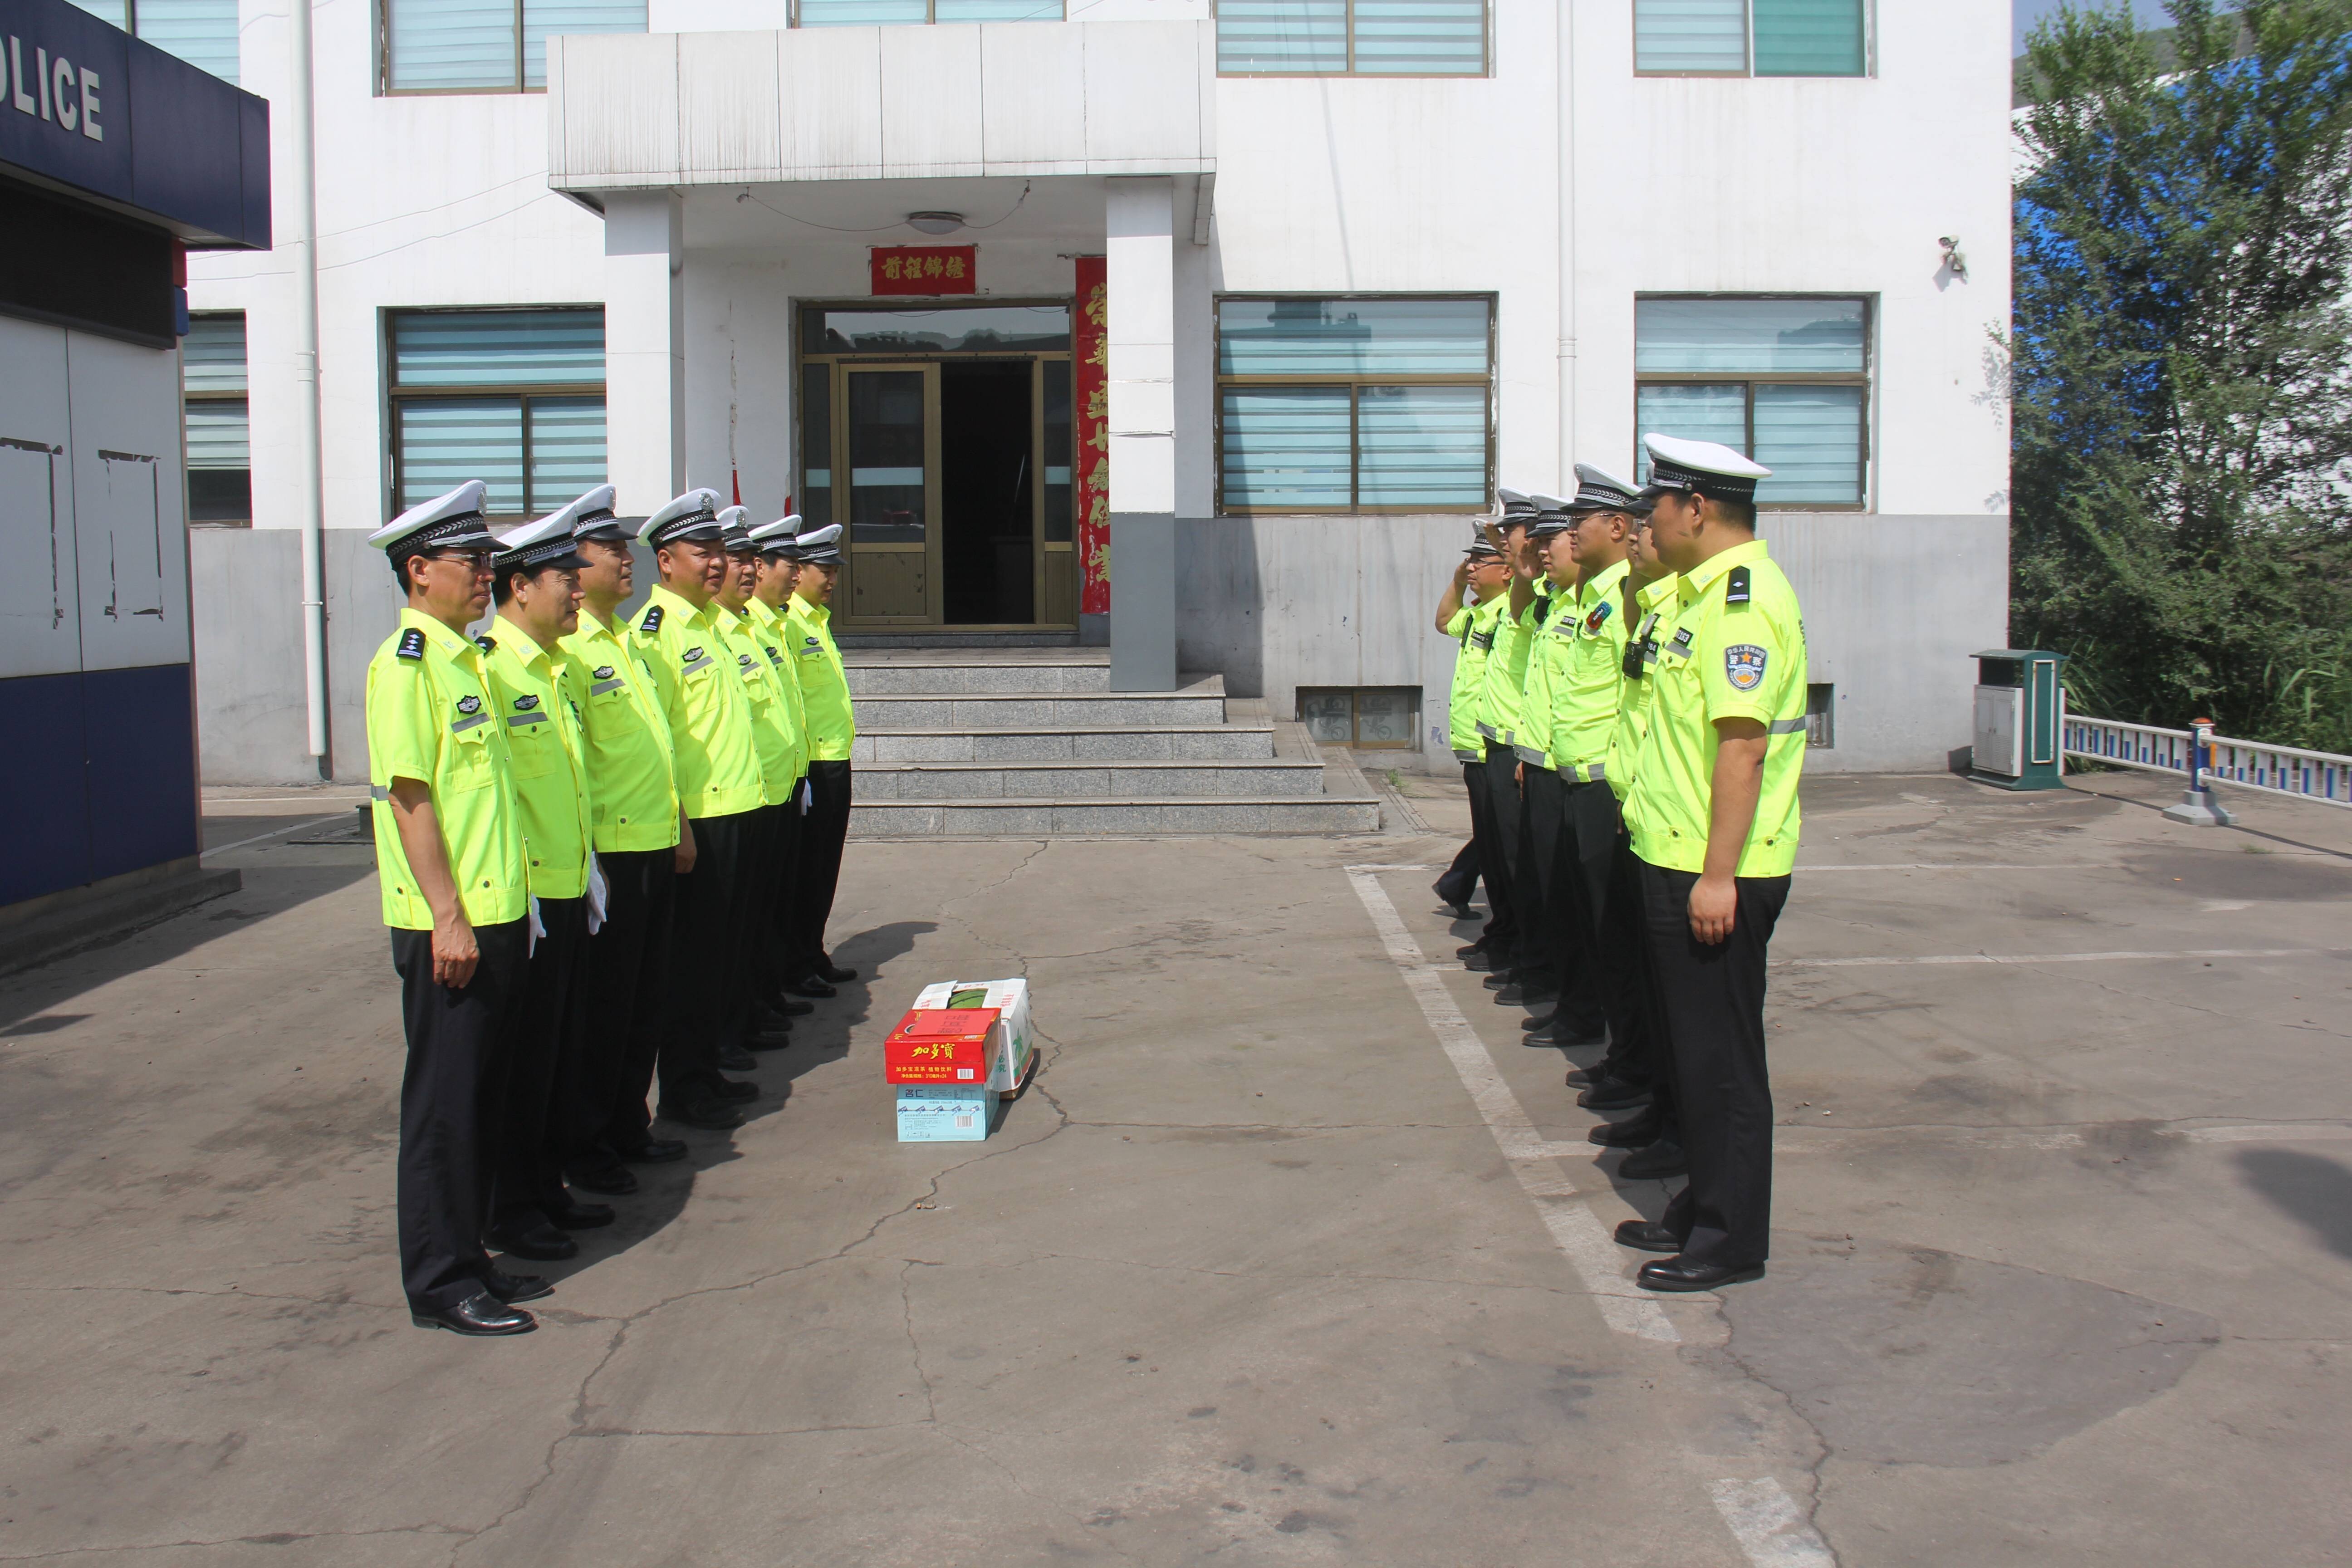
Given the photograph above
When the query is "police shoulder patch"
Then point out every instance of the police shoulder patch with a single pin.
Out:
(527, 701)
(412, 643)
(652, 617)
(1600, 615)
(487, 643)
(602, 672)
(1743, 666)
(1736, 591)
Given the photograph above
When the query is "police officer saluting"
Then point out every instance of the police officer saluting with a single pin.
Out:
(1714, 815)
(1485, 579)
(449, 855)
(700, 691)
(832, 729)
(640, 843)
(536, 583)
(779, 570)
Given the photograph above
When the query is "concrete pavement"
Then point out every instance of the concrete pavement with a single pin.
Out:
(1263, 1270)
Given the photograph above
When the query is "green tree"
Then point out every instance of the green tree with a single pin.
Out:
(2181, 366)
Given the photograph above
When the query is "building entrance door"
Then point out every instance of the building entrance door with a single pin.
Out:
(940, 438)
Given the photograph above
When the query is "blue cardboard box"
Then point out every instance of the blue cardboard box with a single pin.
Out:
(944, 1112)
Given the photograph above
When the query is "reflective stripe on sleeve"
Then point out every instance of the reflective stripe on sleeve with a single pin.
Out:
(1530, 754)
(1785, 726)
(1487, 730)
(379, 792)
(1597, 774)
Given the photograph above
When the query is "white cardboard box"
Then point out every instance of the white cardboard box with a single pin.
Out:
(943, 1112)
(1011, 999)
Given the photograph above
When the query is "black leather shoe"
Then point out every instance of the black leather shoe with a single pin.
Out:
(1681, 1274)
(735, 1058)
(539, 1242)
(736, 1090)
(791, 1008)
(1518, 996)
(1639, 1133)
(513, 1288)
(711, 1114)
(576, 1216)
(1540, 1021)
(1476, 947)
(810, 985)
(611, 1181)
(1478, 963)
(481, 1315)
(1615, 1094)
(1497, 980)
(1662, 1158)
(1585, 1077)
(761, 1042)
(1578, 1036)
(1648, 1236)
(765, 1015)
(833, 973)
(658, 1151)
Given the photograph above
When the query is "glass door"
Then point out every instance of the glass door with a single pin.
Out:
(889, 453)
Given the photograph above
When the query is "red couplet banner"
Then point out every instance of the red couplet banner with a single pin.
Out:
(1090, 390)
(925, 269)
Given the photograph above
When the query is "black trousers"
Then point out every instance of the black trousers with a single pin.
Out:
(712, 904)
(774, 960)
(1500, 933)
(1567, 893)
(599, 1104)
(1638, 1051)
(450, 1093)
(756, 875)
(1515, 885)
(823, 832)
(1712, 999)
(1459, 883)
(530, 1170)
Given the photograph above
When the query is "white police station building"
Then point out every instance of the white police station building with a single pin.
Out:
(1200, 329)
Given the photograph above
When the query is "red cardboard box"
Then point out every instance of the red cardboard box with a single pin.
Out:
(943, 1046)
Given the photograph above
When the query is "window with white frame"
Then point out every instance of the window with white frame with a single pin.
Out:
(1751, 38)
(1354, 404)
(486, 46)
(1785, 379)
(513, 398)
(213, 384)
(201, 32)
(1351, 37)
(893, 13)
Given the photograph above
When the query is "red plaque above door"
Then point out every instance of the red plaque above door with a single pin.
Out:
(925, 269)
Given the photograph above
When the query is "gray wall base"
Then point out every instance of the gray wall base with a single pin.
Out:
(1143, 597)
(36, 931)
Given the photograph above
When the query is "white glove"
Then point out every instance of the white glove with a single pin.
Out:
(530, 937)
(596, 891)
(808, 796)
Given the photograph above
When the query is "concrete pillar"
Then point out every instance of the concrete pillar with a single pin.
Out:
(645, 349)
(1140, 275)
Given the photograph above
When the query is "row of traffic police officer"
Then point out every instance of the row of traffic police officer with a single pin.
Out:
(1629, 710)
(608, 851)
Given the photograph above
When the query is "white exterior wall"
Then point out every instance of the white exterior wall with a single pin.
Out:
(1338, 184)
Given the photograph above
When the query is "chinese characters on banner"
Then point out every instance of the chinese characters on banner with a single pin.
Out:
(1090, 390)
(924, 269)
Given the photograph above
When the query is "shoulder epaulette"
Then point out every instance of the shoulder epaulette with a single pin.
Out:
(486, 642)
(652, 622)
(1737, 592)
(412, 643)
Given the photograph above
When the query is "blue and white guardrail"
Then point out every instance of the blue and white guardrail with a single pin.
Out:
(2248, 765)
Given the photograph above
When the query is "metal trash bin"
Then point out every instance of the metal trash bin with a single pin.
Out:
(2014, 743)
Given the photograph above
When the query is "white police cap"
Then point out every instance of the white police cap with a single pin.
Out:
(547, 542)
(1550, 514)
(1597, 490)
(1706, 467)
(734, 530)
(453, 522)
(694, 515)
(821, 547)
(780, 537)
(591, 517)
(1515, 503)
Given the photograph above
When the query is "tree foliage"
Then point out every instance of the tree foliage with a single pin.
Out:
(2181, 366)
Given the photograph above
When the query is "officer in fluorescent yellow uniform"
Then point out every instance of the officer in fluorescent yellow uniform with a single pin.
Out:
(782, 763)
(601, 1121)
(832, 729)
(1637, 1056)
(778, 570)
(699, 690)
(1499, 696)
(1543, 818)
(1486, 579)
(536, 584)
(449, 855)
(1715, 819)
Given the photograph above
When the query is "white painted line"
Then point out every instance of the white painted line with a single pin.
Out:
(1768, 1524)
(275, 833)
(1574, 1227)
(1410, 866)
(1967, 866)
(2271, 1133)
(2032, 959)
(1810, 1140)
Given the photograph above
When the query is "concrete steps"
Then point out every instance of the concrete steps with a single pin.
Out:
(1025, 741)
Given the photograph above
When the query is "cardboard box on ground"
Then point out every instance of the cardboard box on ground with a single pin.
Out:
(939, 1100)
